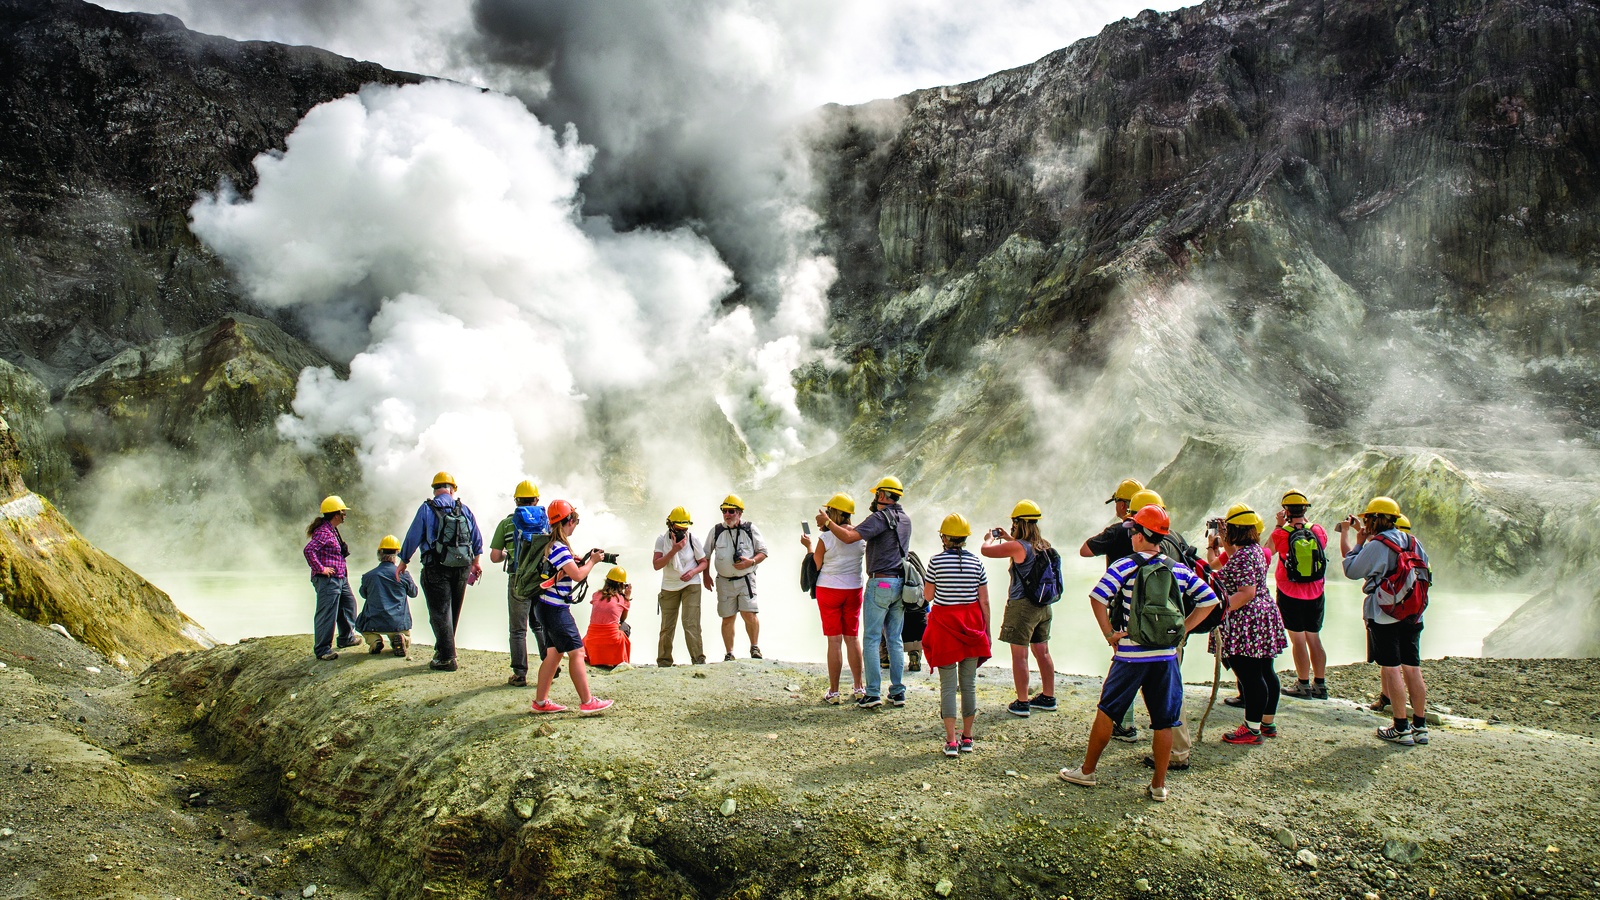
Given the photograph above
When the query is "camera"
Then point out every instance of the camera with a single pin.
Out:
(996, 533)
(1214, 526)
(608, 558)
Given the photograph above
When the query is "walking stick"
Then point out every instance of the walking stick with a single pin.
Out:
(1216, 676)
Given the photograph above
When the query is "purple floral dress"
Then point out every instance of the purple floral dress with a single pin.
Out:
(1255, 629)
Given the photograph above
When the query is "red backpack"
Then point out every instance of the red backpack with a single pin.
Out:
(1403, 593)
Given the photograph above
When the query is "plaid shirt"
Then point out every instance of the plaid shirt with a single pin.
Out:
(326, 551)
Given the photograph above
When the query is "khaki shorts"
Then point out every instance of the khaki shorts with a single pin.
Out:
(733, 595)
(1025, 623)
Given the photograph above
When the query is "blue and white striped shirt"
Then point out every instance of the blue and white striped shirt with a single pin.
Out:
(955, 576)
(557, 594)
(1117, 584)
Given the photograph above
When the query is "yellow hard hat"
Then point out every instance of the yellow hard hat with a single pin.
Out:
(679, 516)
(1382, 506)
(1240, 514)
(1295, 498)
(617, 574)
(1126, 490)
(389, 542)
(842, 503)
(732, 500)
(1026, 509)
(332, 504)
(955, 525)
(526, 490)
(1402, 523)
(443, 478)
(889, 484)
(1144, 498)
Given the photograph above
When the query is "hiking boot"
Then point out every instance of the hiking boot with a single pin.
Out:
(664, 664)
(328, 656)
(966, 743)
(1301, 689)
(897, 699)
(1235, 702)
(546, 706)
(1269, 730)
(914, 660)
(1078, 776)
(1380, 704)
(869, 701)
(376, 648)
(1043, 703)
(403, 647)
(1243, 736)
(349, 642)
(1419, 735)
(1319, 691)
(442, 665)
(755, 652)
(1158, 794)
(832, 698)
(595, 705)
(1019, 708)
(1173, 765)
(1129, 734)
(952, 749)
(517, 681)
(1393, 735)
(727, 657)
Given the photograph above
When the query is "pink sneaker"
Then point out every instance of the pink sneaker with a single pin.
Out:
(546, 706)
(595, 705)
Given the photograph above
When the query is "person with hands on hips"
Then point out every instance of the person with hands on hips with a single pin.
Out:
(325, 552)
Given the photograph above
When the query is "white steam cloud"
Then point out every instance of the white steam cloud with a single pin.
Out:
(502, 315)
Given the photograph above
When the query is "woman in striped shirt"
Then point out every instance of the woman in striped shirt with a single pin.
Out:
(555, 616)
(957, 639)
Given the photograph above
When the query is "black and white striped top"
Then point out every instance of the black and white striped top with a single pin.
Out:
(956, 576)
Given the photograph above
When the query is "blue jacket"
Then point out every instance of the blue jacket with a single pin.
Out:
(424, 528)
(386, 609)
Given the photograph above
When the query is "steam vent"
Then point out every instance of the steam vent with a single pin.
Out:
(751, 264)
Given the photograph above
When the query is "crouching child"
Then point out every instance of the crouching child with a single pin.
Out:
(387, 610)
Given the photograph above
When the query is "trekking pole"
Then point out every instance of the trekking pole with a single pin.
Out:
(1216, 678)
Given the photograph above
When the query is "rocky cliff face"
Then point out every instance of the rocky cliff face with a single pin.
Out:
(115, 123)
(1349, 245)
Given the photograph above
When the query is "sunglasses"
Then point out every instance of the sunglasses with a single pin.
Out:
(730, 512)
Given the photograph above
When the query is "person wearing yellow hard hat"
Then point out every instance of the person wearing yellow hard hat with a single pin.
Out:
(446, 532)
(683, 564)
(838, 587)
(736, 548)
(957, 639)
(1301, 547)
(1373, 547)
(1114, 542)
(887, 531)
(523, 530)
(325, 552)
(1139, 605)
(1035, 586)
(1251, 636)
(387, 610)
(608, 644)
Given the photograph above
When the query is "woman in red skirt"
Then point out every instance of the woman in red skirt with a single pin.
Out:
(957, 639)
(607, 643)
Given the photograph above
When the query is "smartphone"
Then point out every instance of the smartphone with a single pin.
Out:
(806, 527)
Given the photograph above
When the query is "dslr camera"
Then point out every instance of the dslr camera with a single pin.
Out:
(607, 558)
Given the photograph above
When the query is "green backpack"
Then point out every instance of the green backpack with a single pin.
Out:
(1155, 618)
(526, 579)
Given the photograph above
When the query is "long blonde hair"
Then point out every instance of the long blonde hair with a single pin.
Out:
(1027, 531)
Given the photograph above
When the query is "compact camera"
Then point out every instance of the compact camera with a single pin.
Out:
(1214, 526)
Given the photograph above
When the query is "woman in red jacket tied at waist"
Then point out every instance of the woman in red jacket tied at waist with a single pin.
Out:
(607, 640)
(957, 639)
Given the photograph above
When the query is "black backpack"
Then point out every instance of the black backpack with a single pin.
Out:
(452, 545)
(1042, 585)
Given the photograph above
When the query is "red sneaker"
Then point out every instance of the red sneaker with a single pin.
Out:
(546, 706)
(595, 705)
(1243, 735)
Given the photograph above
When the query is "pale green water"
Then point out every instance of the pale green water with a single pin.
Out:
(234, 605)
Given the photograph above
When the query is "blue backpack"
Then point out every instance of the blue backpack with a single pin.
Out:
(527, 522)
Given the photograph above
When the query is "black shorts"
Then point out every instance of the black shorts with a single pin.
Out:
(1399, 644)
(1301, 615)
(560, 632)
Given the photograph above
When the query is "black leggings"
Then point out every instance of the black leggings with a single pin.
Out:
(1259, 684)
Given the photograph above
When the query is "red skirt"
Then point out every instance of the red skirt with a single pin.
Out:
(955, 633)
(606, 645)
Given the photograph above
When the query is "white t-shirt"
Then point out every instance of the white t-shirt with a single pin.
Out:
(841, 563)
(680, 562)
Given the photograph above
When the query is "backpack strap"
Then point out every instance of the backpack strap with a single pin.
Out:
(894, 529)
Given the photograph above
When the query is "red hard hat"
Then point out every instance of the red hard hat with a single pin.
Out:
(558, 511)
(1153, 518)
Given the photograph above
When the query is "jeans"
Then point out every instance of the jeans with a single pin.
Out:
(444, 587)
(521, 621)
(335, 603)
(884, 616)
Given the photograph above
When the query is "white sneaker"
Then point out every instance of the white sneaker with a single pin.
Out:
(1077, 775)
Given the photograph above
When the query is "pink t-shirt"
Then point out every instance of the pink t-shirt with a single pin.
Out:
(1309, 590)
(607, 610)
